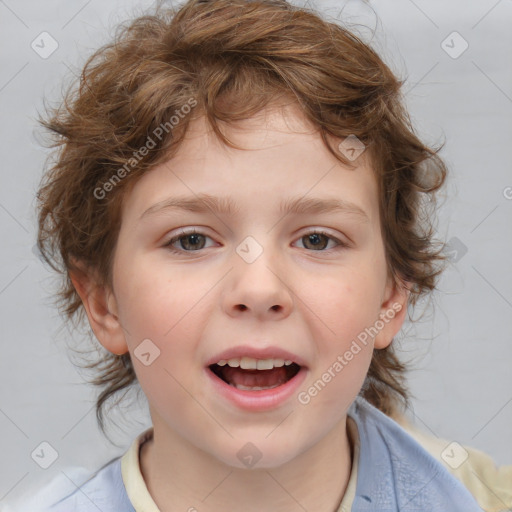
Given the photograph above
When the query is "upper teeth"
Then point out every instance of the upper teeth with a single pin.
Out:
(248, 363)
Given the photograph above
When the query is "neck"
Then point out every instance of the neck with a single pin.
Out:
(180, 476)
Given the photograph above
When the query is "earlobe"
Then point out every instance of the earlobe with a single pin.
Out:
(102, 312)
(393, 313)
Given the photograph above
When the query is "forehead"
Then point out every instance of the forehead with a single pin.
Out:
(283, 157)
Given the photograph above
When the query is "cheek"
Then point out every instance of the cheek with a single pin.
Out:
(168, 312)
(343, 304)
(151, 297)
(341, 316)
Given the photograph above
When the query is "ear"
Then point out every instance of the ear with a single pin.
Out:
(393, 312)
(101, 308)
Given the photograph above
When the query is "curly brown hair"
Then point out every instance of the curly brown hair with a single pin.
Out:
(233, 57)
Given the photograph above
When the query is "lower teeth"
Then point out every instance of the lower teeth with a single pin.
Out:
(254, 388)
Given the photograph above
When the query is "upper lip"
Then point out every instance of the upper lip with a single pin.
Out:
(270, 352)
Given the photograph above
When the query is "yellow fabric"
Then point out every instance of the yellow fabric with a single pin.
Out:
(132, 476)
(350, 492)
(143, 502)
(491, 486)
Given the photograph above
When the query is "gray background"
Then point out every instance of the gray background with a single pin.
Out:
(461, 348)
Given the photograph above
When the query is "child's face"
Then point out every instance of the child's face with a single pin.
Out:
(309, 296)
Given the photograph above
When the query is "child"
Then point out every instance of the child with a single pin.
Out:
(236, 206)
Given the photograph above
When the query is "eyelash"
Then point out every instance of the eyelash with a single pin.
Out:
(184, 234)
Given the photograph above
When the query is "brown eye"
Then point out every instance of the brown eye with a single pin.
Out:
(188, 242)
(315, 241)
(193, 241)
(319, 241)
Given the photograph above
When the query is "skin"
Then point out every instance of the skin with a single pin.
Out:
(192, 305)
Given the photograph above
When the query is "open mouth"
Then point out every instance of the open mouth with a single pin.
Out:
(254, 379)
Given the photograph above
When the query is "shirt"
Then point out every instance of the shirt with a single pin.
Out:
(390, 472)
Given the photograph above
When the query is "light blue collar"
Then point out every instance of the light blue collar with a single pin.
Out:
(396, 474)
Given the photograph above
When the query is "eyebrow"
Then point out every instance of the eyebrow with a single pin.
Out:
(204, 203)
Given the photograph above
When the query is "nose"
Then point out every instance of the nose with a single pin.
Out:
(259, 289)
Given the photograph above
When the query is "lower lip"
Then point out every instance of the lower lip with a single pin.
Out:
(261, 400)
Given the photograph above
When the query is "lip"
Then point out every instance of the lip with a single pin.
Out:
(256, 353)
(261, 400)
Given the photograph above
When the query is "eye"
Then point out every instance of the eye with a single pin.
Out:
(194, 241)
(319, 240)
(188, 242)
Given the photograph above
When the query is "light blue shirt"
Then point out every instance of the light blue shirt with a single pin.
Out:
(395, 474)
